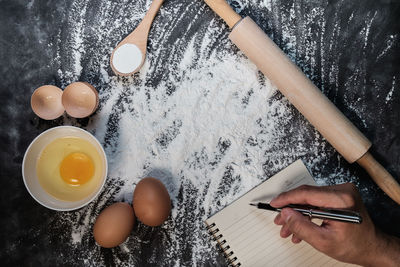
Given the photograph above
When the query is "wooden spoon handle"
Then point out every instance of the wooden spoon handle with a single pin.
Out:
(381, 176)
(224, 10)
(145, 25)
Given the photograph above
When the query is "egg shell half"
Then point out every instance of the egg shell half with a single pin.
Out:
(114, 225)
(80, 99)
(46, 102)
(151, 202)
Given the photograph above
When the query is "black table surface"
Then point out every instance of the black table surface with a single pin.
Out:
(360, 73)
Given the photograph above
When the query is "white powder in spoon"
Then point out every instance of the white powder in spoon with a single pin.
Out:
(127, 58)
(199, 116)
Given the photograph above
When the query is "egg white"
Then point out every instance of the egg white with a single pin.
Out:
(48, 168)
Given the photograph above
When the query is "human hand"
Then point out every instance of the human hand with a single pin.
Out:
(360, 244)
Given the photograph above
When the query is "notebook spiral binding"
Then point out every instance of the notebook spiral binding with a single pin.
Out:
(223, 247)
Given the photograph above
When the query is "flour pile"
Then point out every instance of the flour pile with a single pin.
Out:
(198, 116)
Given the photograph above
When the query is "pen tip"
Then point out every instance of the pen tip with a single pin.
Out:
(252, 204)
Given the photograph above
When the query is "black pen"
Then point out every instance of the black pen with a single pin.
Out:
(316, 212)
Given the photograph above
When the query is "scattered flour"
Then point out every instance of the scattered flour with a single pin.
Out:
(390, 94)
(198, 115)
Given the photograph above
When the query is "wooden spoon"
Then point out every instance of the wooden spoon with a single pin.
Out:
(128, 57)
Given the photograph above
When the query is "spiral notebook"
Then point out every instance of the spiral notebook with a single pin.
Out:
(248, 236)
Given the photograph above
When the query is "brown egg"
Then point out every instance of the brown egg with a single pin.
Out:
(114, 225)
(80, 99)
(46, 102)
(151, 202)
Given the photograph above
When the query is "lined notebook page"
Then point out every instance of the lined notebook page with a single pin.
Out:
(251, 233)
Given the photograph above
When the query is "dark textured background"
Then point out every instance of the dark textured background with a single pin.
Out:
(357, 74)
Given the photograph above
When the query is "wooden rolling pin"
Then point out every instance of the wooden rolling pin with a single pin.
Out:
(304, 95)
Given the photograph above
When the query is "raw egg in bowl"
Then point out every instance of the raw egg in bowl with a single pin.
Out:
(64, 168)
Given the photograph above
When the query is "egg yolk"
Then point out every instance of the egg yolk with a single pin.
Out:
(77, 168)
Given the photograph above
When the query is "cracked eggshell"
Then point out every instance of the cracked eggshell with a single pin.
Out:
(80, 99)
(46, 102)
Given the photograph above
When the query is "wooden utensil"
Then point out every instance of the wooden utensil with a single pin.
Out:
(128, 57)
(304, 95)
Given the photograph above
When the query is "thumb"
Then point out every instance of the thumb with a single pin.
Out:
(303, 228)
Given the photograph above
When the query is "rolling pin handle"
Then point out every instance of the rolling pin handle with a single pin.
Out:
(300, 91)
(381, 176)
(225, 11)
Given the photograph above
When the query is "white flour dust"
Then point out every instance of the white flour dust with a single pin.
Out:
(390, 94)
(198, 116)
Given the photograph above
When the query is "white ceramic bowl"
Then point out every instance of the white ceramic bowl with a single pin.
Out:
(29, 168)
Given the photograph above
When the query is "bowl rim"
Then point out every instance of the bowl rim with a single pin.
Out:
(89, 200)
